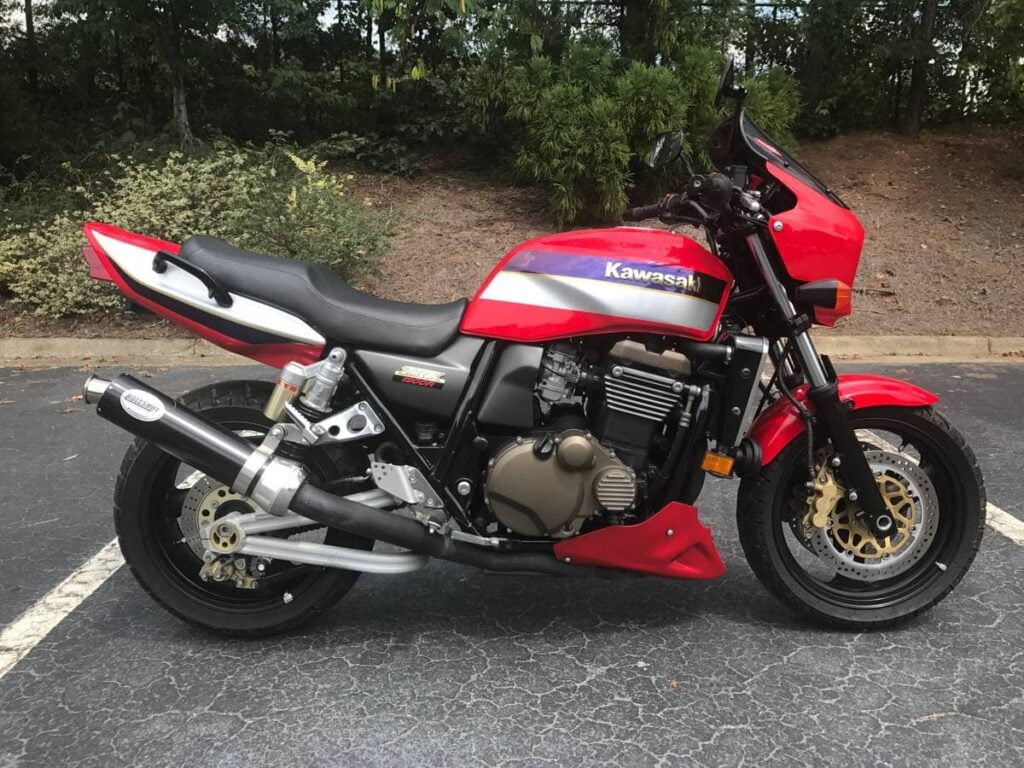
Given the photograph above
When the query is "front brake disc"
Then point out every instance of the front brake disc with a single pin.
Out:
(847, 543)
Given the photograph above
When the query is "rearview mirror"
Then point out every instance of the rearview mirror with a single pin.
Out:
(666, 148)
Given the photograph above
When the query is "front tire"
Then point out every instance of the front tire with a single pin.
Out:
(149, 510)
(845, 592)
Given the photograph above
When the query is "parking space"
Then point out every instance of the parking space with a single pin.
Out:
(451, 667)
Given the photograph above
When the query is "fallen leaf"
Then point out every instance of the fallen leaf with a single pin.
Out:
(69, 458)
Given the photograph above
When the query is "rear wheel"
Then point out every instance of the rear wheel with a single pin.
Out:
(161, 505)
(831, 567)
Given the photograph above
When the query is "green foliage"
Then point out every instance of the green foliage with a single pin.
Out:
(377, 152)
(269, 199)
(650, 101)
(577, 150)
(774, 101)
(579, 127)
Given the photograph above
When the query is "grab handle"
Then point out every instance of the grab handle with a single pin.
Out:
(216, 292)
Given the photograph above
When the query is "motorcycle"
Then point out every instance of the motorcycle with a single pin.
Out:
(560, 422)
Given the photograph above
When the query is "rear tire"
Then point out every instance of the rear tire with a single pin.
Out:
(766, 503)
(144, 502)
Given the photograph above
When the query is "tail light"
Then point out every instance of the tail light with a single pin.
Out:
(96, 269)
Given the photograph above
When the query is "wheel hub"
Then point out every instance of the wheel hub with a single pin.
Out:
(205, 501)
(853, 535)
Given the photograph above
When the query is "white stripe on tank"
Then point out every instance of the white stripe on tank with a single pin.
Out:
(583, 294)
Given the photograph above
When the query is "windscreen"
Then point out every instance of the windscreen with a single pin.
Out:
(763, 145)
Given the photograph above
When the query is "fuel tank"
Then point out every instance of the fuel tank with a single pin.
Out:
(595, 281)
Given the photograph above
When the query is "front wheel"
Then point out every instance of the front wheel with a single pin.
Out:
(830, 567)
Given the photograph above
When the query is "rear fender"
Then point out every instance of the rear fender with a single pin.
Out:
(249, 327)
(780, 424)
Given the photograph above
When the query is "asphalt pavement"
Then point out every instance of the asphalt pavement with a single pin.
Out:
(447, 666)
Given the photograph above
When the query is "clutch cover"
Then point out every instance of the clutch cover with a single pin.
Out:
(547, 486)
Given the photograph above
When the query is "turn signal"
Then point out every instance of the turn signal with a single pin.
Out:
(831, 299)
(844, 299)
(717, 464)
(827, 294)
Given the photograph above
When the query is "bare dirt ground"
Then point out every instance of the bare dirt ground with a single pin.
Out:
(452, 228)
(944, 216)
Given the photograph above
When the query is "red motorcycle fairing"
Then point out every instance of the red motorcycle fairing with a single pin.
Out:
(597, 281)
(671, 543)
(780, 423)
(817, 239)
(248, 327)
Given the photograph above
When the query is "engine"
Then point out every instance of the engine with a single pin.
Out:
(600, 420)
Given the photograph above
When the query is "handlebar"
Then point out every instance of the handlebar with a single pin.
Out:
(643, 212)
(714, 191)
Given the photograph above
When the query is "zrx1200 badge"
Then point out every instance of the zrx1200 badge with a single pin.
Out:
(420, 377)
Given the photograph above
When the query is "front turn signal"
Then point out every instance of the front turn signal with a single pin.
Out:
(717, 464)
(834, 295)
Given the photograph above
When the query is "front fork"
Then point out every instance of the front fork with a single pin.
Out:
(829, 411)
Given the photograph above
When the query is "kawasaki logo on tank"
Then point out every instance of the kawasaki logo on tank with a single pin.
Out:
(688, 283)
(643, 274)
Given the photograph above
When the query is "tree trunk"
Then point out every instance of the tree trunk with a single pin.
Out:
(179, 120)
(33, 51)
(750, 46)
(380, 40)
(275, 38)
(339, 35)
(119, 62)
(919, 73)
(635, 34)
(369, 31)
(171, 39)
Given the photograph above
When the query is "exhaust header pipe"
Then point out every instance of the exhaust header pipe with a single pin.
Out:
(278, 485)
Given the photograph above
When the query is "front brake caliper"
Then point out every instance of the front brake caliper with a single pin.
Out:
(823, 499)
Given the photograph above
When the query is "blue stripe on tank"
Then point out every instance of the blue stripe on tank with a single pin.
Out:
(620, 271)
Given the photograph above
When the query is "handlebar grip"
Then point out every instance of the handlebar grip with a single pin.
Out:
(643, 212)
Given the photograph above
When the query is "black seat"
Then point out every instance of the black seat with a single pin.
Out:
(334, 308)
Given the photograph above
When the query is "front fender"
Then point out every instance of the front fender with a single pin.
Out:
(780, 423)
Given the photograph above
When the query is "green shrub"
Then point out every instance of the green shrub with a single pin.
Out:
(581, 126)
(577, 150)
(773, 100)
(267, 199)
(377, 152)
(650, 101)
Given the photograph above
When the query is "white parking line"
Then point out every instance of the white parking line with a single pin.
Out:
(1005, 523)
(33, 625)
